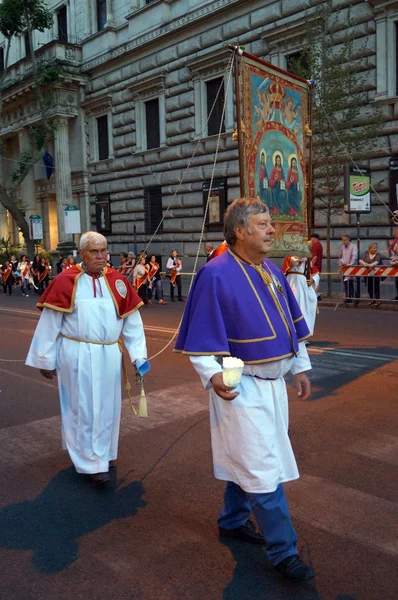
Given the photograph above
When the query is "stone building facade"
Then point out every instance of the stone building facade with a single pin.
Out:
(138, 79)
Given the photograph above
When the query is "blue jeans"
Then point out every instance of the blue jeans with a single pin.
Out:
(272, 516)
(157, 288)
(24, 285)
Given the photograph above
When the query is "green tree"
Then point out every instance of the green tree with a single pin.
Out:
(343, 127)
(16, 17)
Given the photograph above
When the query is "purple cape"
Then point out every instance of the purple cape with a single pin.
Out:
(232, 312)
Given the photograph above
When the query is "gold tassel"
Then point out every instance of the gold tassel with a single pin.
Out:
(143, 407)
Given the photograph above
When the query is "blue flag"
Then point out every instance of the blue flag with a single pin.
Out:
(49, 164)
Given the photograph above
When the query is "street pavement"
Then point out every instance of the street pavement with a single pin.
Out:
(155, 536)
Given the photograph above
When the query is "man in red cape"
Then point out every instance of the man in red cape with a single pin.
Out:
(86, 311)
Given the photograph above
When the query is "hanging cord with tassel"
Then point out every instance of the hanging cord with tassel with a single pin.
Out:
(139, 381)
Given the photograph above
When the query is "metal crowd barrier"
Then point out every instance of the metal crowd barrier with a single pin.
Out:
(380, 285)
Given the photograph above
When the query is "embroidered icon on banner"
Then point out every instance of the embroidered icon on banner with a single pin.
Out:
(121, 288)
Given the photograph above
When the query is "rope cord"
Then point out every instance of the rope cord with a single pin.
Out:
(230, 69)
(203, 134)
(353, 160)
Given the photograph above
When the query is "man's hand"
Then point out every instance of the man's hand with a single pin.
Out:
(221, 389)
(48, 374)
(302, 385)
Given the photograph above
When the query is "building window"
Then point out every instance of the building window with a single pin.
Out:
(214, 87)
(27, 44)
(2, 65)
(62, 19)
(298, 63)
(153, 212)
(101, 14)
(103, 137)
(152, 123)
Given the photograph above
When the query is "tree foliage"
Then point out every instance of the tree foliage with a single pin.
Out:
(16, 16)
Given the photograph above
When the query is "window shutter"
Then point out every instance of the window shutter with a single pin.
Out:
(103, 138)
(153, 211)
(212, 87)
(152, 123)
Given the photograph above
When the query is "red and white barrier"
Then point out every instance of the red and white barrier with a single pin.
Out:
(358, 271)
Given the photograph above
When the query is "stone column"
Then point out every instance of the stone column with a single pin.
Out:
(46, 222)
(4, 233)
(28, 186)
(63, 177)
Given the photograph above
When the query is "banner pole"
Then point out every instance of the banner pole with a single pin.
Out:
(239, 123)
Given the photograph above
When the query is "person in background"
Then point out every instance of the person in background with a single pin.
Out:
(317, 256)
(209, 251)
(140, 279)
(348, 256)
(131, 265)
(64, 264)
(58, 264)
(154, 281)
(394, 241)
(44, 275)
(36, 272)
(14, 264)
(394, 263)
(370, 259)
(70, 263)
(25, 274)
(173, 269)
(7, 276)
(123, 263)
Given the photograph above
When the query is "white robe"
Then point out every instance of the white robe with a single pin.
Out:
(89, 375)
(249, 435)
(305, 295)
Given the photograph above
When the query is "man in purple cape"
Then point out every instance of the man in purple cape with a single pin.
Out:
(241, 306)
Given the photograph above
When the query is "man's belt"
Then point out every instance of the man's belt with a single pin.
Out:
(124, 368)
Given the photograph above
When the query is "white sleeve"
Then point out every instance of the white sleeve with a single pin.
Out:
(302, 361)
(178, 269)
(170, 263)
(206, 367)
(134, 336)
(43, 348)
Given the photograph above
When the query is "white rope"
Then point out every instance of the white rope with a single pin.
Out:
(203, 134)
(230, 68)
(353, 160)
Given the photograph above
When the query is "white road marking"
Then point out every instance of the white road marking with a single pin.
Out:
(345, 512)
(354, 354)
(382, 447)
(27, 443)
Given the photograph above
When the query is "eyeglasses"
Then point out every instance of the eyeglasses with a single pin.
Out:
(102, 252)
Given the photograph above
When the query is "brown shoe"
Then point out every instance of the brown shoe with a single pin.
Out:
(101, 479)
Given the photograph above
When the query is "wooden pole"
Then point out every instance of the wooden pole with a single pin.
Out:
(241, 134)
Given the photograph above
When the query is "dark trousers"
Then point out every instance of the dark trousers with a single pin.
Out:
(179, 288)
(373, 284)
(9, 286)
(349, 288)
(142, 292)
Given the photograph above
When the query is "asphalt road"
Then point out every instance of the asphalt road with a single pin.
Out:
(155, 537)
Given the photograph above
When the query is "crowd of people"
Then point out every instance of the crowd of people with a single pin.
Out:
(25, 275)
(146, 278)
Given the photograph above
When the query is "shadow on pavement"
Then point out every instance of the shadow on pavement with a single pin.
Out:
(254, 577)
(68, 508)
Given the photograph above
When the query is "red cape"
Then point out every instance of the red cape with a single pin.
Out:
(60, 294)
(219, 250)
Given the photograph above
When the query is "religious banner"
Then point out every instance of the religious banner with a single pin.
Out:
(273, 108)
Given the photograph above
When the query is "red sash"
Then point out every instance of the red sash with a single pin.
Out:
(5, 274)
(175, 272)
(26, 270)
(139, 281)
(44, 274)
(60, 294)
(153, 269)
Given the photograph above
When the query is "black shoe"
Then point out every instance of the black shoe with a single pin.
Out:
(246, 532)
(293, 569)
(103, 480)
(173, 299)
(180, 299)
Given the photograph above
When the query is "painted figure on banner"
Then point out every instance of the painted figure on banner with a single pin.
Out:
(263, 179)
(265, 112)
(290, 113)
(293, 187)
(280, 202)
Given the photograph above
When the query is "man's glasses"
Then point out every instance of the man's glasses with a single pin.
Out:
(102, 252)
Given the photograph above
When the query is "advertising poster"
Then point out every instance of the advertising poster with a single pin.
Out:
(274, 120)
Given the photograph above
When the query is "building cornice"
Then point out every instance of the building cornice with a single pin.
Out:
(144, 87)
(199, 14)
(95, 105)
